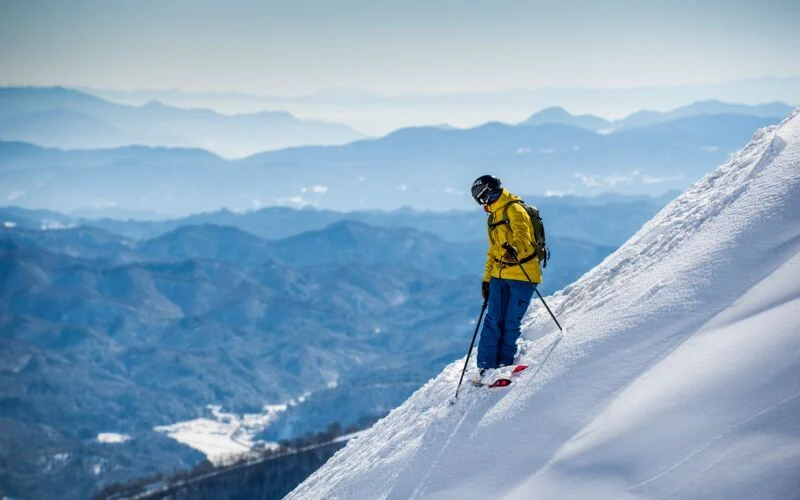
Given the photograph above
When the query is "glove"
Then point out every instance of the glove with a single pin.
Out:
(511, 253)
(485, 290)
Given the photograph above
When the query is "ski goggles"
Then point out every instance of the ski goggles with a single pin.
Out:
(481, 193)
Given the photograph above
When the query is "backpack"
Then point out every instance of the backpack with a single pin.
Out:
(540, 243)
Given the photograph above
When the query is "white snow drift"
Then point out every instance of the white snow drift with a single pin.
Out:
(679, 376)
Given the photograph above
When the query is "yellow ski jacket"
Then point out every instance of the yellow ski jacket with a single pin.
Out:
(518, 233)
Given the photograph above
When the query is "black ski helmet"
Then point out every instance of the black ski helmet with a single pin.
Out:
(485, 187)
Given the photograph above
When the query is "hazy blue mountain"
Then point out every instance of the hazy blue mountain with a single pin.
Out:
(349, 241)
(342, 243)
(374, 113)
(64, 128)
(21, 100)
(550, 145)
(11, 151)
(606, 220)
(268, 223)
(70, 119)
(645, 118)
(208, 242)
(693, 133)
(100, 176)
(24, 156)
(426, 168)
(561, 116)
(709, 107)
(742, 90)
(83, 241)
(426, 143)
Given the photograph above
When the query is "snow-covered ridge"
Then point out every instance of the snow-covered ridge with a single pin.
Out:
(679, 375)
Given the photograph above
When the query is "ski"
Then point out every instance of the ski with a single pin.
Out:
(518, 369)
(500, 382)
(503, 381)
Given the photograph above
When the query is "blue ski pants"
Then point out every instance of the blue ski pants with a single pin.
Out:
(508, 301)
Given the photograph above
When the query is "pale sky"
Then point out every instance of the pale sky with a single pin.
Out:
(405, 46)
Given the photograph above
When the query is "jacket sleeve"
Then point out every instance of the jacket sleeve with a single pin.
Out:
(522, 235)
(487, 273)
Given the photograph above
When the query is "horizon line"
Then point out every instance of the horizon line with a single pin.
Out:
(331, 91)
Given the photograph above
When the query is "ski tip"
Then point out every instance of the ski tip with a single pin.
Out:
(501, 382)
(519, 368)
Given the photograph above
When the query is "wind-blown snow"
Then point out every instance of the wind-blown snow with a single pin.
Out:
(679, 376)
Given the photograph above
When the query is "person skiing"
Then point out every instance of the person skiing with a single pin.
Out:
(505, 285)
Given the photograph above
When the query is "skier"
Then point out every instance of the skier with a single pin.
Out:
(505, 286)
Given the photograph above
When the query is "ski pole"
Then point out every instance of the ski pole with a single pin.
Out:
(548, 310)
(471, 345)
(536, 288)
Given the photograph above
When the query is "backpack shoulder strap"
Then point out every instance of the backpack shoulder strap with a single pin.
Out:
(504, 220)
(505, 208)
(526, 209)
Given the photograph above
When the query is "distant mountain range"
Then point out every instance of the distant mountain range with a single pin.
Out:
(551, 153)
(647, 118)
(710, 107)
(425, 168)
(605, 220)
(378, 114)
(69, 119)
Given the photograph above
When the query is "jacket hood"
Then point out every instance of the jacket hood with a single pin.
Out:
(505, 197)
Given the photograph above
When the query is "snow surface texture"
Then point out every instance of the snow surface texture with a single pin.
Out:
(679, 376)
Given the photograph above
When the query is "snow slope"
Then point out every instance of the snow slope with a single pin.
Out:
(679, 376)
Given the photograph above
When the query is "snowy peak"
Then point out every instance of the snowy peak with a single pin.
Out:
(677, 377)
